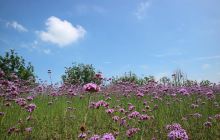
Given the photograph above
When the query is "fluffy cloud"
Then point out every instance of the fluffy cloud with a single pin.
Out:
(61, 32)
(15, 25)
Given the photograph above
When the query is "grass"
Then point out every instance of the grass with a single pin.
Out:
(63, 118)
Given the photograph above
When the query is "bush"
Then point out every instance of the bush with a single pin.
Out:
(81, 74)
(132, 78)
(12, 63)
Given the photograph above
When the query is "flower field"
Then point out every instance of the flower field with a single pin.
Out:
(117, 111)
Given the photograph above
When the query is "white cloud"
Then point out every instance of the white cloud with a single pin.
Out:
(15, 25)
(141, 10)
(61, 32)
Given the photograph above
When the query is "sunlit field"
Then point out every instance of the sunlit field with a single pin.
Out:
(121, 111)
(109, 70)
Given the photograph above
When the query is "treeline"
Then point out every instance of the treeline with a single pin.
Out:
(79, 74)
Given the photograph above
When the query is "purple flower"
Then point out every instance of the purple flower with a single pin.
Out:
(178, 135)
(144, 117)
(131, 132)
(115, 118)
(110, 111)
(140, 94)
(121, 110)
(208, 124)
(176, 132)
(123, 121)
(82, 135)
(131, 107)
(101, 103)
(30, 98)
(91, 87)
(28, 129)
(2, 113)
(71, 92)
(31, 107)
(99, 76)
(54, 94)
(174, 126)
(183, 91)
(95, 137)
(108, 136)
(134, 114)
(21, 101)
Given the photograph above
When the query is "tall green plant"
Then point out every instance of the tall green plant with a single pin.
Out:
(11, 62)
(80, 74)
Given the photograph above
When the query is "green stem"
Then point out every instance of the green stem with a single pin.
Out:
(87, 110)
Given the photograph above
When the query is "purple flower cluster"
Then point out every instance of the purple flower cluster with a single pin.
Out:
(131, 107)
(144, 117)
(115, 118)
(99, 104)
(95, 137)
(110, 111)
(174, 126)
(21, 101)
(130, 132)
(134, 114)
(140, 94)
(31, 107)
(30, 98)
(176, 132)
(183, 91)
(106, 136)
(91, 87)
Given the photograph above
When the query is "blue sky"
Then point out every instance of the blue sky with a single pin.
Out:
(148, 37)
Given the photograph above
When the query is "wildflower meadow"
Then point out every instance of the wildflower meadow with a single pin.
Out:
(123, 110)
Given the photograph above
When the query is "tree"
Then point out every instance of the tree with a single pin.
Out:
(132, 78)
(12, 63)
(205, 83)
(81, 74)
(165, 80)
(179, 78)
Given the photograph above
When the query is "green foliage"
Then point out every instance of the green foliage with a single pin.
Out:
(56, 121)
(12, 63)
(132, 78)
(205, 83)
(165, 80)
(80, 74)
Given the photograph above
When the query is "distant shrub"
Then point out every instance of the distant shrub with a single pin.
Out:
(81, 74)
(132, 78)
(12, 63)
